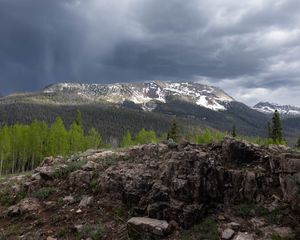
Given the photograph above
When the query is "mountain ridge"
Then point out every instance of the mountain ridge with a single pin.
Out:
(146, 93)
(284, 110)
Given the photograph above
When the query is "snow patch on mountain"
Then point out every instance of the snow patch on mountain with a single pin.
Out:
(146, 93)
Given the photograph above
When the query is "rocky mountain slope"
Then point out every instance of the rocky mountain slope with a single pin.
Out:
(146, 94)
(230, 190)
(284, 110)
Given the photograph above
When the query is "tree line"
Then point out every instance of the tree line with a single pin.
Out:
(23, 146)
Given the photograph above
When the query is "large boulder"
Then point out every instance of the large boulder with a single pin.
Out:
(147, 228)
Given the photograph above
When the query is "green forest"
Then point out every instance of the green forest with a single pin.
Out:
(23, 147)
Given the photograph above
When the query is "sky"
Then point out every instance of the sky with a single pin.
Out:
(250, 49)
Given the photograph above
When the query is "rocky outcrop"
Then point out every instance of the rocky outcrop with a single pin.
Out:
(170, 183)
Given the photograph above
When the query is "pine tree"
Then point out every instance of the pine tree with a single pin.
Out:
(127, 140)
(78, 119)
(233, 133)
(269, 130)
(173, 132)
(276, 128)
(298, 142)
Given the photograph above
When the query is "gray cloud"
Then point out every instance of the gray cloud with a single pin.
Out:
(250, 49)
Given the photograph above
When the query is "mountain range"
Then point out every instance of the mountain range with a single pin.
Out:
(116, 108)
(284, 110)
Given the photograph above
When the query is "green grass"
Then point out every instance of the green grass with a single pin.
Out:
(277, 237)
(207, 229)
(247, 210)
(7, 198)
(44, 193)
(212, 136)
(95, 232)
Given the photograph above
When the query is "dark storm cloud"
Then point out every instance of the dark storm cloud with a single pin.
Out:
(251, 49)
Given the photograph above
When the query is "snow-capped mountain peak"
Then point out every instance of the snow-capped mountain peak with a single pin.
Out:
(269, 108)
(146, 94)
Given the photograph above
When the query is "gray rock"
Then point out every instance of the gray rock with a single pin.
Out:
(89, 166)
(142, 227)
(46, 172)
(227, 233)
(243, 236)
(27, 205)
(69, 199)
(284, 232)
(86, 201)
(80, 178)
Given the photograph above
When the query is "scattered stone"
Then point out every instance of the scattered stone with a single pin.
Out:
(227, 233)
(89, 166)
(78, 228)
(86, 201)
(46, 172)
(233, 225)
(142, 227)
(243, 236)
(69, 199)
(284, 232)
(258, 222)
(80, 178)
(221, 218)
(51, 238)
(27, 205)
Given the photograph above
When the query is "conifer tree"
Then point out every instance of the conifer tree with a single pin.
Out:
(269, 130)
(276, 128)
(233, 133)
(298, 142)
(173, 132)
(78, 119)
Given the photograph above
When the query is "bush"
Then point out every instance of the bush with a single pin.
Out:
(63, 172)
(95, 232)
(43, 193)
(209, 136)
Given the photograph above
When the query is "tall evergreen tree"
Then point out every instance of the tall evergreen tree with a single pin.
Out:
(233, 133)
(78, 119)
(298, 142)
(173, 132)
(269, 126)
(276, 128)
